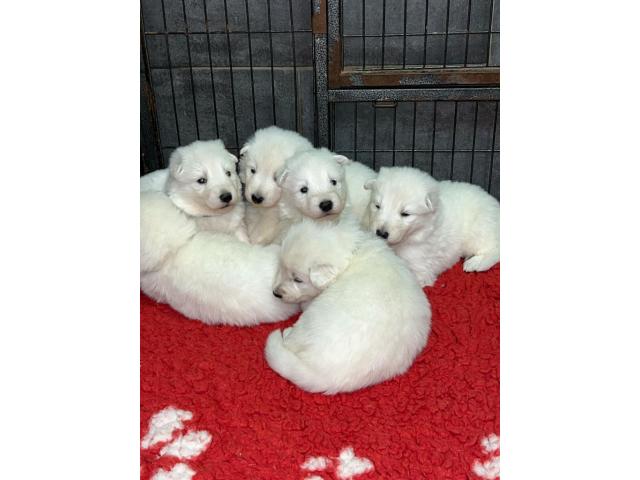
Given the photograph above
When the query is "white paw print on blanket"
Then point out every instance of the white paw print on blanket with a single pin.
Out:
(162, 427)
(490, 468)
(348, 465)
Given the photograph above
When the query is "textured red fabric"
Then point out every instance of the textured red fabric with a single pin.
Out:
(427, 423)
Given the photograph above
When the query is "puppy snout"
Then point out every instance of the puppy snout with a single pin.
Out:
(276, 293)
(257, 199)
(226, 197)
(382, 233)
(326, 205)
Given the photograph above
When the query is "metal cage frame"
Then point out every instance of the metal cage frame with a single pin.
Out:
(334, 85)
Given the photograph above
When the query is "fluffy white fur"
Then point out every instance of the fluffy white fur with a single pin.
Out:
(318, 176)
(163, 230)
(366, 318)
(155, 181)
(432, 224)
(207, 276)
(262, 157)
(202, 182)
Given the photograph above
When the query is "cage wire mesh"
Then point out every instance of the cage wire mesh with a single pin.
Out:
(449, 139)
(388, 34)
(224, 68)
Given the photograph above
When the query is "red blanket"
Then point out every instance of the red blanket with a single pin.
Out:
(438, 421)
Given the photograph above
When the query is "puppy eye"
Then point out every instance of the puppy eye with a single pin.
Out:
(228, 173)
(333, 182)
(253, 170)
(404, 214)
(202, 181)
(378, 206)
(304, 190)
(297, 280)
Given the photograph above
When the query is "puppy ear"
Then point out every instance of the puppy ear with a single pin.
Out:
(233, 157)
(341, 159)
(281, 176)
(430, 200)
(368, 185)
(322, 275)
(244, 150)
(175, 163)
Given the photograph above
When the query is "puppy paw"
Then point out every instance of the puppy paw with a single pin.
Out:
(241, 234)
(260, 240)
(478, 263)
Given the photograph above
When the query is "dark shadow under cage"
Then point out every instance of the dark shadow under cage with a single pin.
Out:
(406, 82)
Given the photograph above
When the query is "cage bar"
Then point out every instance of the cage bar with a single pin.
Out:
(473, 144)
(295, 67)
(231, 79)
(253, 83)
(193, 87)
(213, 85)
(173, 93)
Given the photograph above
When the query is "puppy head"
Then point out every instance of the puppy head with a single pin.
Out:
(261, 159)
(203, 179)
(314, 183)
(312, 256)
(403, 200)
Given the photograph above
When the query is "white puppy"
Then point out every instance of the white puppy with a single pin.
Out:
(261, 158)
(320, 185)
(202, 182)
(367, 318)
(432, 224)
(206, 276)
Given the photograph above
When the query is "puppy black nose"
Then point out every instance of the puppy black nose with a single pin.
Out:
(276, 294)
(382, 234)
(326, 205)
(226, 197)
(256, 199)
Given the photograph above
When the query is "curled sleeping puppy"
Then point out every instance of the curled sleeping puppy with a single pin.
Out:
(322, 186)
(202, 182)
(432, 224)
(206, 276)
(261, 158)
(365, 319)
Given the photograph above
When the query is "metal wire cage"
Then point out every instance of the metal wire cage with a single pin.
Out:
(454, 140)
(387, 34)
(386, 82)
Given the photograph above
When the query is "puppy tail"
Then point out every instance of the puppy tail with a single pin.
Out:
(288, 365)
